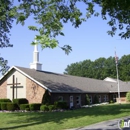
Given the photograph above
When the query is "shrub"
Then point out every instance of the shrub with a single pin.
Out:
(24, 106)
(60, 105)
(44, 108)
(111, 101)
(95, 100)
(10, 106)
(34, 106)
(87, 100)
(5, 100)
(4, 105)
(27, 109)
(128, 96)
(46, 98)
(51, 107)
(20, 101)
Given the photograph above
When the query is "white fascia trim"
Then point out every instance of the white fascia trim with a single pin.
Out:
(25, 75)
(7, 72)
(32, 78)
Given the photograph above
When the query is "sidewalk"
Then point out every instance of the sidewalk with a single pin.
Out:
(105, 125)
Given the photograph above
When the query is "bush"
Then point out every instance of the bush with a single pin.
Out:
(34, 106)
(128, 96)
(10, 106)
(111, 101)
(87, 100)
(24, 106)
(60, 105)
(4, 105)
(5, 100)
(44, 108)
(95, 100)
(20, 101)
(51, 107)
(27, 109)
(46, 98)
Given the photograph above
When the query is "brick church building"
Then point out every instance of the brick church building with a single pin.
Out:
(31, 83)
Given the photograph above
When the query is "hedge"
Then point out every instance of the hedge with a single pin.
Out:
(11, 106)
(60, 105)
(51, 107)
(20, 101)
(24, 106)
(3, 105)
(34, 106)
(5, 100)
(44, 108)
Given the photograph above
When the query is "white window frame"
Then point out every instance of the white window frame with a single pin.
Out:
(77, 100)
(99, 98)
(105, 97)
(90, 98)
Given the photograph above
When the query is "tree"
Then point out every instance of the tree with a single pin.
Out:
(128, 96)
(3, 65)
(6, 19)
(98, 69)
(50, 15)
(124, 68)
(101, 68)
(46, 98)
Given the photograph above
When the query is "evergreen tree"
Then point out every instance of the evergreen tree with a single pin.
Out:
(46, 98)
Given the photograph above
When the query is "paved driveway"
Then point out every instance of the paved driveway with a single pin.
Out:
(106, 125)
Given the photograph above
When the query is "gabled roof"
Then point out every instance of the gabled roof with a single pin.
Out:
(111, 79)
(59, 83)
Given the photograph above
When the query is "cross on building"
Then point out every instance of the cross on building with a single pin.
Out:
(14, 85)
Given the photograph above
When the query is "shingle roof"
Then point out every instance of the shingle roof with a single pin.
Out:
(73, 84)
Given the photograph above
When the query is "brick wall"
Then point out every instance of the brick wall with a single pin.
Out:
(34, 92)
(3, 90)
(66, 97)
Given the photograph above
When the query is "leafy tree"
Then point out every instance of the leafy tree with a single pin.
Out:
(50, 15)
(46, 98)
(98, 69)
(124, 68)
(3, 65)
(6, 19)
(128, 96)
(101, 68)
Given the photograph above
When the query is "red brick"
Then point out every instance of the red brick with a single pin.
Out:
(34, 92)
(3, 90)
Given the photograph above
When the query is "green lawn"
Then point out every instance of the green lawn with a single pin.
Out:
(62, 120)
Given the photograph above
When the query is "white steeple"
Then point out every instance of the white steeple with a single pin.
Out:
(36, 65)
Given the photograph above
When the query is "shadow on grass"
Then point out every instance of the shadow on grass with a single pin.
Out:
(22, 120)
(19, 126)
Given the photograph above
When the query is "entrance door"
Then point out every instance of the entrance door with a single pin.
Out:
(114, 97)
(71, 102)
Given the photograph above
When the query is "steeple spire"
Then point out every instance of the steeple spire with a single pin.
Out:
(36, 65)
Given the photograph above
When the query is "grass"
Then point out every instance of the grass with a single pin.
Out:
(62, 120)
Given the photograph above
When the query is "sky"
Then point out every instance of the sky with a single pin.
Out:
(89, 41)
